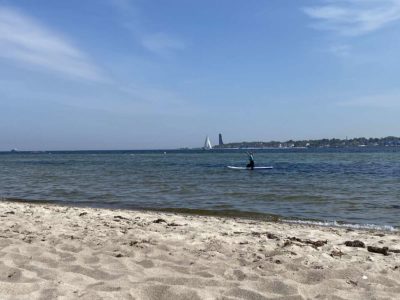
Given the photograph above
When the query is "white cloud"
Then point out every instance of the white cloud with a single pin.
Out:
(354, 17)
(25, 40)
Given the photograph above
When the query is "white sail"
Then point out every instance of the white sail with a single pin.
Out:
(207, 144)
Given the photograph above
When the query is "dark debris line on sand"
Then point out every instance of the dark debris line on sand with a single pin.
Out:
(373, 249)
(315, 244)
(356, 244)
(383, 250)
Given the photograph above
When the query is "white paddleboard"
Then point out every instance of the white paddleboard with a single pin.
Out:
(244, 168)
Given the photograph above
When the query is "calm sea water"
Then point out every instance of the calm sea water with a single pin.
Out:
(356, 186)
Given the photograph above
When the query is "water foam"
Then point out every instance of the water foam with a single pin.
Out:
(344, 225)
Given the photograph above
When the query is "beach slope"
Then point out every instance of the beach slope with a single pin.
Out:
(60, 252)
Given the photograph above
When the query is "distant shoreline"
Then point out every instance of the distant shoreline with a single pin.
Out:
(390, 141)
(225, 147)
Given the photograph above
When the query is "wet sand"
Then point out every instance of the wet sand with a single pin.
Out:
(59, 252)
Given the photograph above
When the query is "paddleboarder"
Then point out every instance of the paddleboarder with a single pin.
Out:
(250, 165)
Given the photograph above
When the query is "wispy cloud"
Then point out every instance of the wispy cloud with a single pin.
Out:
(162, 43)
(159, 42)
(341, 50)
(25, 40)
(385, 100)
(354, 17)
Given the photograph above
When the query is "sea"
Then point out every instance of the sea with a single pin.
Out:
(351, 187)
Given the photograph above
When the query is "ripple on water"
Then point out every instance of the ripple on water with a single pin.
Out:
(359, 186)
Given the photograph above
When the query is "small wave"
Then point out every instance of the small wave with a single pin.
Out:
(336, 224)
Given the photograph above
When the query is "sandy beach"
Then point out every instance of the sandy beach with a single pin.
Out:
(60, 252)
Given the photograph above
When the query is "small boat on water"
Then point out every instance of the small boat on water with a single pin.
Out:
(207, 144)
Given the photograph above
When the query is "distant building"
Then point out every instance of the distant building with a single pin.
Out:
(220, 140)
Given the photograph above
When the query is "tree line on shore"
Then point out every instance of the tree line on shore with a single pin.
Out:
(389, 141)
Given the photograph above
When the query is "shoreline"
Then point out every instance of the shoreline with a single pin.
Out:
(51, 251)
(245, 215)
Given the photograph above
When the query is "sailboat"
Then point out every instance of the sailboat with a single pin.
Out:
(207, 144)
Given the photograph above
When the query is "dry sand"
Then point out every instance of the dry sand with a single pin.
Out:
(59, 252)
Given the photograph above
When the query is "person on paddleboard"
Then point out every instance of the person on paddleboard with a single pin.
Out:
(250, 165)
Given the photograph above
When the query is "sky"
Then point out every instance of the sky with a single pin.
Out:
(141, 74)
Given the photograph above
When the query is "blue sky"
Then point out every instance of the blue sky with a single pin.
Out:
(120, 74)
